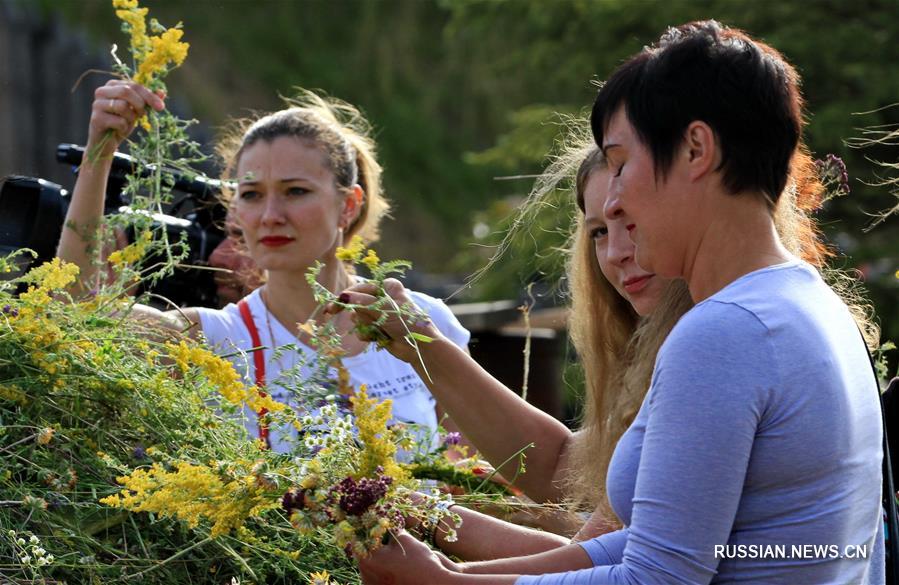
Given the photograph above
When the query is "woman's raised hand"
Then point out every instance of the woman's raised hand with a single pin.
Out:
(117, 107)
(395, 323)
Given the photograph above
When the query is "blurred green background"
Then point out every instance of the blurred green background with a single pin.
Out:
(465, 92)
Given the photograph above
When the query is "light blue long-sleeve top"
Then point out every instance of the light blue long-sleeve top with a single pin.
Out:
(761, 427)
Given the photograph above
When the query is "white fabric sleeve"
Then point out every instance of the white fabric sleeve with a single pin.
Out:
(223, 328)
(443, 318)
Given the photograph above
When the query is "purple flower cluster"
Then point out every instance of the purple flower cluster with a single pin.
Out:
(452, 439)
(832, 170)
(356, 497)
(7, 310)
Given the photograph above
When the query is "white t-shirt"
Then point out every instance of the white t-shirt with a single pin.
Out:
(385, 376)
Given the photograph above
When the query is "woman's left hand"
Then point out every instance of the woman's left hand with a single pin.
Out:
(406, 561)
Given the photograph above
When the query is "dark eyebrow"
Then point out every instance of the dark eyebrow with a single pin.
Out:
(289, 180)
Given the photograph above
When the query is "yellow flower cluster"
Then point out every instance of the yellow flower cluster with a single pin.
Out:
(225, 378)
(352, 252)
(192, 493)
(132, 252)
(219, 370)
(53, 275)
(134, 19)
(166, 48)
(152, 53)
(259, 401)
(378, 443)
(371, 259)
(13, 394)
(38, 332)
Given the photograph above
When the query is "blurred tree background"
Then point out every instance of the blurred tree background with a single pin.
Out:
(463, 92)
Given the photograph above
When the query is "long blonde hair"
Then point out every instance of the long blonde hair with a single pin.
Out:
(617, 351)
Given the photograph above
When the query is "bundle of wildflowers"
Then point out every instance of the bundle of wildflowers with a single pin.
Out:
(353, 486)
(85, 400)
(348, 490)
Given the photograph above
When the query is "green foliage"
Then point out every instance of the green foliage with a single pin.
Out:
(549, 50)
(456, 88)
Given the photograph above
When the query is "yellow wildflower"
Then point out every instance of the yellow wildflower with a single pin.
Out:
(53, 275)
(166, 48)
(132, 252)
(259, 402)
(378, 443)
(353, 252)
(124, 4)
(193, 493)
(134, 23)
(219, 370)
(371, 259)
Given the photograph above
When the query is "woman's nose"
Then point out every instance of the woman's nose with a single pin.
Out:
(620, 246)
(612, 207)
(273, 212)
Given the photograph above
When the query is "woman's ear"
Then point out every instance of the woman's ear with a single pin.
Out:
(352, 206)
(703, 154)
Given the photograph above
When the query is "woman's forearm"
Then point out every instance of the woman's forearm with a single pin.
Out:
(483, 537)
(116, 107)
(571, 557)
(496, 419)
(83, 217)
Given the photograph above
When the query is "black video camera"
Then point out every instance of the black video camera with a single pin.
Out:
(32, 212)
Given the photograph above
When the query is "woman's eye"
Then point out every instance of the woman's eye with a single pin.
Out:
(249, 194)
(297, 191)
(618, 172)
(599, 232)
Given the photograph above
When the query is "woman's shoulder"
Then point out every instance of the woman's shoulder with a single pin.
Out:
(218, 324)
(426, 302)
(442, 317)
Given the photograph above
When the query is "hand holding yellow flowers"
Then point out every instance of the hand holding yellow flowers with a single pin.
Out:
(121, 103)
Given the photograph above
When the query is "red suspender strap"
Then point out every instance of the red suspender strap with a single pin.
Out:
(258, 363)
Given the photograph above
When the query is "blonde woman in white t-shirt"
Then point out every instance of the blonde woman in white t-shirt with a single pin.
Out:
(307, 182)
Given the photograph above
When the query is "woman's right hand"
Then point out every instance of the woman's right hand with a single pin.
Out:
(395, 326)
(117, 107)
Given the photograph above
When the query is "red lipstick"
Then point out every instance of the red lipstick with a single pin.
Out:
(275, 241)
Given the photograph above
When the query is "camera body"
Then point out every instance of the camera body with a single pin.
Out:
(32, 212)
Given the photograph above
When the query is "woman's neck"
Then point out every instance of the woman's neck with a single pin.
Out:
(289, 298)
